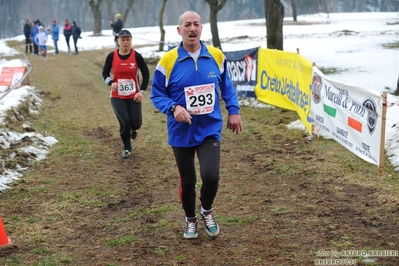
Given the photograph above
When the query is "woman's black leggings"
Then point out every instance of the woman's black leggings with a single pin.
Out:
(67, 38)
(128, 113)
(208, 154)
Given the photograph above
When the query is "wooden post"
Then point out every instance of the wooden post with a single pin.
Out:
(383, 125)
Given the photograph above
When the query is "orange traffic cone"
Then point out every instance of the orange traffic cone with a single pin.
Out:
(4, 240)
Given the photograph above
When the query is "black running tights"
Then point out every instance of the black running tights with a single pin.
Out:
(208, 154)
(128, 113)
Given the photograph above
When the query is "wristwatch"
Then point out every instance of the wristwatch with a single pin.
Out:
(173, 108)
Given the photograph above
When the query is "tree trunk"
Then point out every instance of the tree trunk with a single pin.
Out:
(109, 11)
(96, 9)
(274, 12)
(293, 5)
(397, 88)
(129, 5)
(160, 23)
(215, 6)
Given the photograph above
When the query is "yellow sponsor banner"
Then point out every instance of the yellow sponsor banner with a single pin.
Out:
(284, 80)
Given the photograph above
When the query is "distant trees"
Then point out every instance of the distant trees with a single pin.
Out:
(96, 14)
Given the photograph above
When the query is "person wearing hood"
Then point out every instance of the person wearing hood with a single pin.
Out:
(76, 31)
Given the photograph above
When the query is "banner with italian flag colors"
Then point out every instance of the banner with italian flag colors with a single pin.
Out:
(350, 115)
(284, 80)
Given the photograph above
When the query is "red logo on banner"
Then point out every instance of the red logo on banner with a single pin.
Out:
(11, 75)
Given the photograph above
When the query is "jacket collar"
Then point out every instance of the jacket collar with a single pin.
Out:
(183, 54)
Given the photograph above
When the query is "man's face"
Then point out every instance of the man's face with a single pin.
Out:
(190, 29)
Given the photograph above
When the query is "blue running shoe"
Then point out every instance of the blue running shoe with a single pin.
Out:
(191, 229)
(210, 225)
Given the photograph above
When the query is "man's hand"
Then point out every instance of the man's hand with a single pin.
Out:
(234, 123)
(181, 115)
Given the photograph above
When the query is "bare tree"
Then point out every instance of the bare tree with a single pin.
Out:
(397, 88)
(109, 10)
(274, 12)
(325, 6)
(294, 14)
(96, 8)
(127, 9)
(160, 23)
(215, 6)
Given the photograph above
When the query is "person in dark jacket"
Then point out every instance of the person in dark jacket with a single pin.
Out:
(39, 23)
(67, 34)
(116, 26)
(28, 40)
(76, 35)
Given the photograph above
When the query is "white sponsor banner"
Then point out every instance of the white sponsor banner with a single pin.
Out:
(350, 115)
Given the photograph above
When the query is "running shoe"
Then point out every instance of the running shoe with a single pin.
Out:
(126, 154)
(191, 229)
(210, 225)
(133, 134)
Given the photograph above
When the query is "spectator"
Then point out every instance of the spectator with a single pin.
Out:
(55, 35)
(34, 31)
(41, 40)
(67, 34)
(28, 40)
(39, 23)
(117, 26)
(76, 35)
